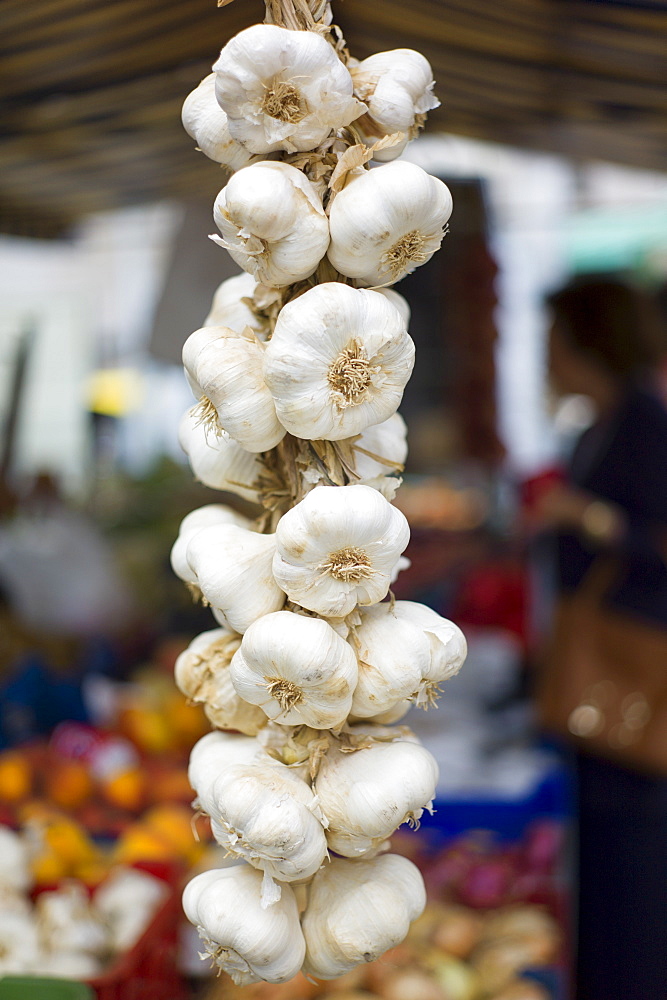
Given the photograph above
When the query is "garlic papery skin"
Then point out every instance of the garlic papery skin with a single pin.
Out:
(272, 223)
(216, 751)
(243, 938)
(379, 455)
(282, 89)
(338, 361)
(297, 669)
(219, 462)
(397, 87)
(337, 548)
(201, 517)
(366, 795)
(387, 222)
(229, 309)
(357, 910)
(447, 643)
(394, 656)
(267, 816)
(232, 568)
(205, 121)
(225, 372)
(202, 673)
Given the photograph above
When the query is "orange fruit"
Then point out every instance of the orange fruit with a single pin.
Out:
(15, 776)
(126, 789)
(138, 843)
(147, 728)
(69, 784)
(174, 823)
(48, 868)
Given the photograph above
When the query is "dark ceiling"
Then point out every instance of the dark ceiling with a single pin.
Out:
(92, 89)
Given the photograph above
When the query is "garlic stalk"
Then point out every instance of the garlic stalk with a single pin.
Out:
(283, 90)
(338, 361)
(366, 795)
(357, 910)
(242, 937)
(218, 461)
(272, 223)
(205, 121)
(297, 669)
(232, 568)
(337, 548)
(397, 88)
(224, 369)
(387, 222)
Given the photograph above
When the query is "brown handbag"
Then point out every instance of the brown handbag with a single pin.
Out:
(602, 683)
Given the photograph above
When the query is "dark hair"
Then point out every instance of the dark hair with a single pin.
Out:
(610, 321)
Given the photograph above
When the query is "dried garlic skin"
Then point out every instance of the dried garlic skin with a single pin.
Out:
(232, 567)
(338, 547)
(245, 939)
(272, 223)
(297, 669)
(397, 86)
(205, 121)
(366, 795)
(338, 361)
(357, 910)
(283, 90)
(218, 461)
(387, 222)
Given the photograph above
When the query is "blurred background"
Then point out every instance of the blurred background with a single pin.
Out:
(552, 136)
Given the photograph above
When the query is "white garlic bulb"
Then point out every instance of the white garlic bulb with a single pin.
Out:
(397, 88)
(447, 643)
(394, 656)
(266, 815)
(67, 922)
(232, 568)
(387, 222)
(215, 752)
(379, 455)
(14, 860)
(245, 939)
(230, 309)
(272, 223)
(337, 548)
(19, 943)
(357, 910)
(338, 361)
(283, 89)
(219, 462)
(202, 517)
(205, 121)
(297, 669)
(366, 795)
(225, 372)
(399, 301)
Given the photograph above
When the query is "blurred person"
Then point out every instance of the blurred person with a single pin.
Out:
(603, 683)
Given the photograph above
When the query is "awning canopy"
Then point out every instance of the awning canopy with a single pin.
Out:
(92, 90)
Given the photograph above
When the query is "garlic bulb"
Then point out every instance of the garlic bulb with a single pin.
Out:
(267, 816)
(367, 794)
(242, 937)
(127, 900)
(67, 922)
(219, 462)
(387, 222)
(297, 669)
(15, 860)
(447, 643)
(357, 910)
(232, 568)
(230, 309)
(201, 517)
(379, 455)
(397, 88)
(19, 943)
(399, 301)
(272, 223)
(337, 548)
(283, 89)
(225, 371)
(214, 753)
(205, 121)
(338, 361)
(394, 656)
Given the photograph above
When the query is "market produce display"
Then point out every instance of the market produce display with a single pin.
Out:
(297, 375)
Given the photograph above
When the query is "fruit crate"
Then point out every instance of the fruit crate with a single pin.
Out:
(149, 970)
